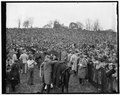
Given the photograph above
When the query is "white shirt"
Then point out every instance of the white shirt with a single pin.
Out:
(24, 57)
(31, 63)
(14, 57)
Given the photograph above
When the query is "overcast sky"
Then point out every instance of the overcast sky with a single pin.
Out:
(42, 13)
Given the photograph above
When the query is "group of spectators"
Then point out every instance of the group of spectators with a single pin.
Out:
(79, 57)
(100, 55)
(18, 61)
(56, 38)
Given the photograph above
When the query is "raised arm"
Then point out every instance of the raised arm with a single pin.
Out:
(53, 62)
(42, 64)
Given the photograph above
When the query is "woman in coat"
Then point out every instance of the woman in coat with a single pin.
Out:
(47, 70)
(82, 68)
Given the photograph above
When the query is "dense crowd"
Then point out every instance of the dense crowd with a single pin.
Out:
(50, 38)
(100, 54)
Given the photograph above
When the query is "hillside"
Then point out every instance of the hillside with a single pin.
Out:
(52, 37)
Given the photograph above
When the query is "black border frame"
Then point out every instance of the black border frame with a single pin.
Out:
(3, 37)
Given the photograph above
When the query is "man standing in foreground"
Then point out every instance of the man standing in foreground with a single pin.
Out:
(47, 70)
(24, 58)
(31, 64)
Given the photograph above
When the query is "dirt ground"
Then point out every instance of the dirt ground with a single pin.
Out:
(74, 86)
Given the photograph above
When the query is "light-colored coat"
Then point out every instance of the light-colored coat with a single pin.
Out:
(73, 60)
(82, 69)
(68, 60)
(63, 55)
(47, 70)
(14, 57)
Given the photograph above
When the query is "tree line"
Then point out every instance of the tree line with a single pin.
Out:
(72, 25)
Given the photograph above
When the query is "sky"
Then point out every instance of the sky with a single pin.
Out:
(42, 13)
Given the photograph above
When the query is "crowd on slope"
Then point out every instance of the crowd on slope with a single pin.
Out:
(79, 59)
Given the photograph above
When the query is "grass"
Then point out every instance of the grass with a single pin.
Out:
(74, 86)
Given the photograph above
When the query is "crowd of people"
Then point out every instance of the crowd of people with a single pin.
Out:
(81, 59)
(78, 59)
(55, 38)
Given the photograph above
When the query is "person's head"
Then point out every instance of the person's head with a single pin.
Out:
(47, 58)
(8, 58)
(51, 58)
(45, 53)
(30, 52)
(110, 66)
(113, 66)
(30, 56)
(24, 51)
(81, 55)
(78, 54)
(13, 49)
(54, 57)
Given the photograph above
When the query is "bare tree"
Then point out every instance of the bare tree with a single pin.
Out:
(96, 26)
(30, 22)
(19, 23)
(26, 24)
(88, 25)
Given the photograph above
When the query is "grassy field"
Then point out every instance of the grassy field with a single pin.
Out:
(74, 86)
